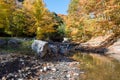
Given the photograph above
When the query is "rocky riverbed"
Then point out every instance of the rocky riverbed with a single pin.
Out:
(24, 67)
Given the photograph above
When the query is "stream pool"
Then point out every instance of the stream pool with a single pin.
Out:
(97, 67)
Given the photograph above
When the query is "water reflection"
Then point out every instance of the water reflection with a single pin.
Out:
(98, 67)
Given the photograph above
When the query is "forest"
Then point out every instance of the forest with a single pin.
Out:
(85, 19)
(23, 21)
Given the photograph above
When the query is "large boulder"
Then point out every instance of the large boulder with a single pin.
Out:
(64, 48)
(41, 48)
(96, 41)
(96, 44)
(114, 50)
(60, 48)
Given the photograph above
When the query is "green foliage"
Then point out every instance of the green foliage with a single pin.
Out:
(61, 29)
(17, 24)
(43, 20)
(51, 27)
(31, 19)
(24, 47)
(5, 12)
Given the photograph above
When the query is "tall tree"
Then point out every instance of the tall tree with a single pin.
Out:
(44, 23)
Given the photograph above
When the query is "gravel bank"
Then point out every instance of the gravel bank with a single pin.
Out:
(23, 67)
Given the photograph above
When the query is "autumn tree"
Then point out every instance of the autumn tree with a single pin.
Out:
(94, 17)
(59, 27)
(6, 8)
(77, 17)
(42, 18)
(18, 23)
(46, 24)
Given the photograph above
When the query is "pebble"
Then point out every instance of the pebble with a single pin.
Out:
(40, 70)
(37, 67)
(27, 68)
(19, 71)
(81, 72)
(21, 60)
(76, 74)
(54, 69)
(15, 76)
(29, 73)
(20, 79)
(45, 69)
(68, 76)
(3, 78)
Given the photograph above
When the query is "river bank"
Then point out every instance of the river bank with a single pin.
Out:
(20, 62)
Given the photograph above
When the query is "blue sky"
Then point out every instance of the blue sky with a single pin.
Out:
(58, 6)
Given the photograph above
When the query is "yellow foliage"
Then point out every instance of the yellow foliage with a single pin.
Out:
(94, 17)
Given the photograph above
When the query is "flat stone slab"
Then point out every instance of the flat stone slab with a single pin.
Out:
(114, 50)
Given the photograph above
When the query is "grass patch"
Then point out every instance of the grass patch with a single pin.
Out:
(97, 67)
(24, 47)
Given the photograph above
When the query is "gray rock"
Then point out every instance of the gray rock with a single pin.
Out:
(81, 72)
(114, 50)
(63, 50)
(54, 49)
(10, 76)
(45, 68)
(41, 48)
(3, 78)
(2, 43)
(13, 43)
(20, 79)
(65, 40)
(68, 75)
(75, 74)
(41, 70)
(54, 69)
